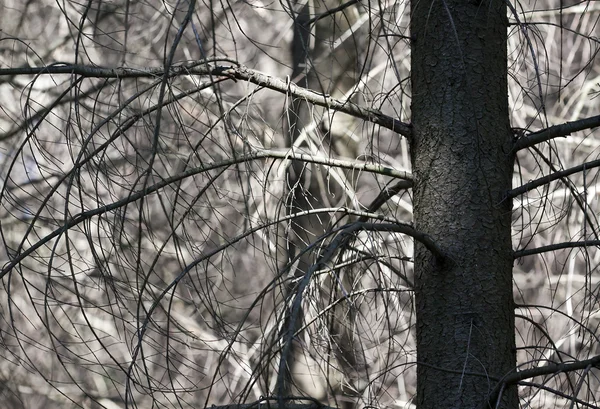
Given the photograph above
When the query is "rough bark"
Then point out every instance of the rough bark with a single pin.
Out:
(462, 164)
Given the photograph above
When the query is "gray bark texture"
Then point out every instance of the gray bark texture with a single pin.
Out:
(462, 164)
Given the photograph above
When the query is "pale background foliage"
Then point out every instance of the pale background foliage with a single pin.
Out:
(154, 301)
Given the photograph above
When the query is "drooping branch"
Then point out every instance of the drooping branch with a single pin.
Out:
(553, 176)
(86, 215)
(556, 131)
(550, 369)
(572, 397)
(234, 72)
(404, 228)
(343, 234)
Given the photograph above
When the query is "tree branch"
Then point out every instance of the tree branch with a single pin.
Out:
(406, 177)
(554, 247)
(273, 403)
(386, 194)
(234, 72)
(556, 131)
(568, 396)
(324, 100)
(549, 369)
(134, 196)
(407, 229)
(331, 11)
(549, 178)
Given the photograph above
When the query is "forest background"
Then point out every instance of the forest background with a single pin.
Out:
(211, 203)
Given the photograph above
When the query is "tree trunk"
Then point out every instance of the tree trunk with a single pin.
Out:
(462, 167)
(320, 66)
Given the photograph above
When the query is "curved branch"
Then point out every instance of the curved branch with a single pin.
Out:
(407, 229)
(343, 235)
(332, 11)
(234, 72)
(571, 397)
(556, 131)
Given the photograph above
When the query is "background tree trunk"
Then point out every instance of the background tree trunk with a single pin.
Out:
(462, 167)
(322, 62)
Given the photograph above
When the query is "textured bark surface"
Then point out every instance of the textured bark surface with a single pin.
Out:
(463, 169)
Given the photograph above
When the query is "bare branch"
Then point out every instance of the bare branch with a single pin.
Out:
(225, 163)
(554, 247)
(386, 194)
(409, 230)
(556, 131)
(549, 178)
(233, 72)
(272, 403)
(343, 235)
(557, 392)
(549, 369)
(338, 163)
(332, 11)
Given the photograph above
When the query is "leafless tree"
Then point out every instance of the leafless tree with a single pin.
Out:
(303, 204)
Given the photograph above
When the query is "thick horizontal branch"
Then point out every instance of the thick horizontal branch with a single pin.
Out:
(90, 71)
(550, 369)
(234, 72)
(554, 247)
(556, 131)
(345, 233)
(324, 100)
(549, 178)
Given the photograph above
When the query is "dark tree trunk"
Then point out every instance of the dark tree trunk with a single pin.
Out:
(462, 167)
(319, 66)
